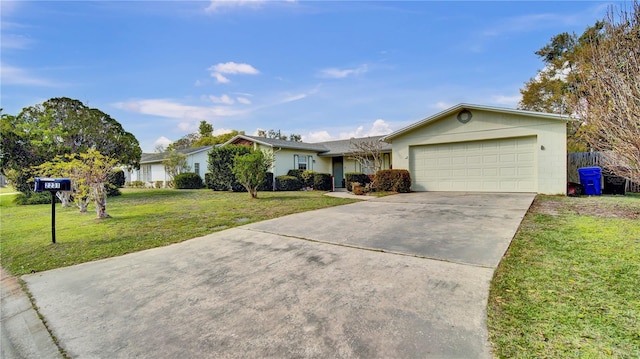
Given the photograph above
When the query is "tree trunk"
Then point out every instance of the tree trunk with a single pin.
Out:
(65, 198)
(100, 199)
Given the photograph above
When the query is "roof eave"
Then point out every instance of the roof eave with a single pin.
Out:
(461, 106)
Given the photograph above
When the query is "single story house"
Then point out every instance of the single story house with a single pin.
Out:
(152, 167)
(485, 149)
(332, 157)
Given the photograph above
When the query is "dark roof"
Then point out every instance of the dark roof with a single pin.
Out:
(273, 142)
(343, 147)
(160, 156)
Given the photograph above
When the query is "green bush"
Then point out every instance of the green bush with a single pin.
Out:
(220, 175)
(117, 177)
(296, 173)
(288, 183)
(136, 184)
(267, 185)
(351, 177)
(393, 180)
(307, 178)
(322, 182)
(159, 184)
(33, 198)
(188, 180)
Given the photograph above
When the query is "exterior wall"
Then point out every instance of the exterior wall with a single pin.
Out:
(285, 160)
(202, 158)
(486, 125)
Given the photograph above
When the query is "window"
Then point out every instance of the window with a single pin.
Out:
(302, 162)
(146, 173)
(196, 168)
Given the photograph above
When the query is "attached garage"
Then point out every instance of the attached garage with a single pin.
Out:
(484, 149)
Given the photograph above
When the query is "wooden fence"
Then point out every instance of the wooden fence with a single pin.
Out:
(588, 159)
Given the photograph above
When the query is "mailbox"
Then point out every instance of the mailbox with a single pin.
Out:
(52, 184)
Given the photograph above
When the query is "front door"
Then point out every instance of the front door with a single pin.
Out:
(338, 172)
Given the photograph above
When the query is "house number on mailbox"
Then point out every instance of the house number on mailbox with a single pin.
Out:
(52, 185)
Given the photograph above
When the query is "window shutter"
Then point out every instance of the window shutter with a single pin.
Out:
(295, 161)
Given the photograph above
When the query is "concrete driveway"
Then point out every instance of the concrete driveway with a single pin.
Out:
(403, 276)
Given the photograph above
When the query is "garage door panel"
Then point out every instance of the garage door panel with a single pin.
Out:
(495, 165)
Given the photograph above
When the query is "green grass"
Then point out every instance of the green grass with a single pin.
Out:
(569, 285)
(141, 219)
(7, 189)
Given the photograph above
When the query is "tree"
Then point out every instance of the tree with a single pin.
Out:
(89, 174)
(251, 170)
(61, 126)
(205, 129)
(608, 96)
(279, 136)
(367, 152)
(549, 90)
(221, 161)
(216, 140)
(185, 142)
(175, 163)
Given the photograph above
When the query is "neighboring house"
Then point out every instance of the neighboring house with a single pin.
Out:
(485, 149)
(325, 157)
(152, 167)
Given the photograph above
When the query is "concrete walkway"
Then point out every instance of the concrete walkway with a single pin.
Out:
(402, 276)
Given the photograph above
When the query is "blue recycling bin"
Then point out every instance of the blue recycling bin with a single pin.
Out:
(591, 179)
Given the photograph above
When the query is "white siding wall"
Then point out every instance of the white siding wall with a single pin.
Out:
(484, 125)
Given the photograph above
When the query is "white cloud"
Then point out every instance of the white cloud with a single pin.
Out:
(378, 128)
(511, 101)
(162, 141)
(221, 131)
(172, 109)
(335, 73)
(225, 99)
(221, 79)
(317, 136)
(231, 68)
(243, 100)
(11, 75)
(442, 105)
(234, 68)
(19, 42)
(216, 5)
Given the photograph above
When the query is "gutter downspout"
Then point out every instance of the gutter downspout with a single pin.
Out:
(274, 168)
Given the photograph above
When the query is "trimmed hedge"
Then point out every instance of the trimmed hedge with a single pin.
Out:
(351, 177)
(288, 183)
(267, 185)
(393, 180)
(221, 177)
(296, 173)
(322, 182)
(188, 180)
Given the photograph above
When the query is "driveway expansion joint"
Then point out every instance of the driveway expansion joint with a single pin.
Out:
(369, 249)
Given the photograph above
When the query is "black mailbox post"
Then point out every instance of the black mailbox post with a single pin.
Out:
(52, 185)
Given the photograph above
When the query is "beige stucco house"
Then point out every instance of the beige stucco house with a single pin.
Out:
(325, 157)
(485, 149)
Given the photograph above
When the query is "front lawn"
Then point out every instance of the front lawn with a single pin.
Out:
(569, 285)
(141, 219)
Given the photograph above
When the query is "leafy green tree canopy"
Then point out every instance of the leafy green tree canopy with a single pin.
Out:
(57, 127)
(251, 170)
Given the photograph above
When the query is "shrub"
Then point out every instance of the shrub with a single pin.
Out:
(188, 180)
(117, 177)
(221, 177)
(159, 184)
(393, 180)
(33, 198)
(137, 184)
(267, 185)
(288, 183)
(351, 177)
(296, 173)
(322, 182)
(307, 178)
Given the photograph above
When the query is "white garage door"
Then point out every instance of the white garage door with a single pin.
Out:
(504, 165)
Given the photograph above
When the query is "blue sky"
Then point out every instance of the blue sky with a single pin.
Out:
(325, 70)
